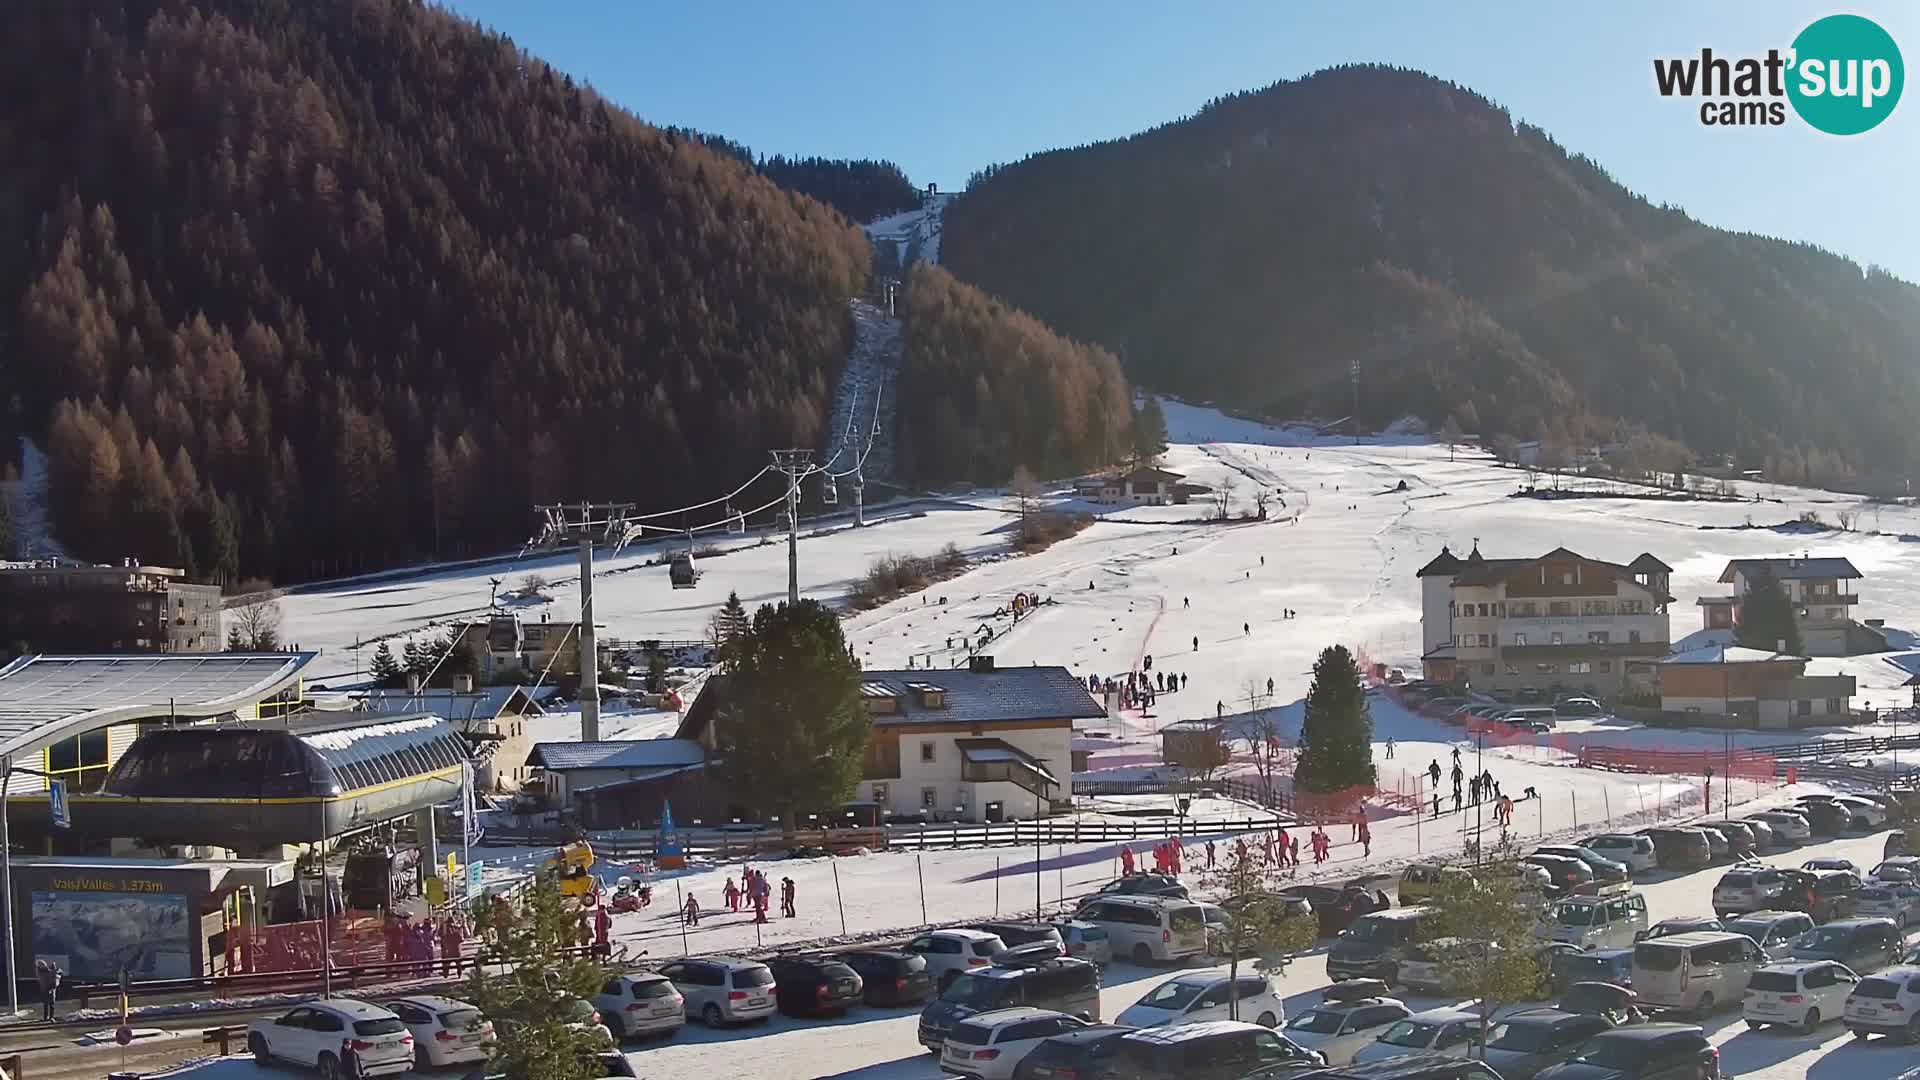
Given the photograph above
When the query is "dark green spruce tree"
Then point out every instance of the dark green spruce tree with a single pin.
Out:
(1149, 430)
(384, 670)
(1766, 616)
(1336, 735)
(791, 728)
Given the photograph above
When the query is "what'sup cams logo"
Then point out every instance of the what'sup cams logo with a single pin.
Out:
(1842, 75)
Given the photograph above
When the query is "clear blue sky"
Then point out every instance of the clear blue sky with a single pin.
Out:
(944, 89)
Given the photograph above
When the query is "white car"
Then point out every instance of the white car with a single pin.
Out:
(1205, 996)
(1830, 862)
(1799, 995)
(950, 952)
(318, 1034)
(990, 1045)
(644, 1003)
(445, 1031)
(1886, 1003)
(1898, 901)
(1866, 813)
(722, 990)
(1449, 1031)
(1630, 849)
(1786, 826)
(1339, 1029)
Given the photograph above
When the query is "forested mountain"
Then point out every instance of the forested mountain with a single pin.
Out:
(863, 189)
(298, 288)
(1469, 265)
(985, 388)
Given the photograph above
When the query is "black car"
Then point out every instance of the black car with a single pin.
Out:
(814, 985)
(1067, 1057)
(1528, 1041)
(1409, 1067)
(1826, 818)
(1605, 871)
(1865, 945)
(1145, 885)
(891, 978)
(1211, 1050)
(1642, 1052)
(1609, 1000)
(1740, 835)
(1015, 934)
(1334, 909)
(1824, 894)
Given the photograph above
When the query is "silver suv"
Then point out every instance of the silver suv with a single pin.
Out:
(723, 989)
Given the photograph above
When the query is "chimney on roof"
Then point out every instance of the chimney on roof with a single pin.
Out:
(979, 664)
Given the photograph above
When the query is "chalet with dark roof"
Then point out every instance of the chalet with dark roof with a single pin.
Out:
(1821, 591)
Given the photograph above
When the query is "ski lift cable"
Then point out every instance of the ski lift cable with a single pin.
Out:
(873, 432)
(764, 470)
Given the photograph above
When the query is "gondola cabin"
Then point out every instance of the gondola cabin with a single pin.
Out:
(682, 571)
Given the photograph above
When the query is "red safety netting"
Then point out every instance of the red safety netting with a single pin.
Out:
(1744, 764)
(355, 939)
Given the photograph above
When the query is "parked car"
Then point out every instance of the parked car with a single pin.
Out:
(1062, 985)
(1642, 1052)
(1763, 836)
(1144, 884)
(316, 1034)
(643, 1003)
(1899, 901)
(1014, 933)
(990, 1045)
(1348, 1018)
(445, 1031)
(1579, 707)
(1085, 941)
(1450, 1031)
(1886, 1003)
(1897, 844)
(1335, 908)
(1867, 814)
(1374, 945)
(723, 990)
(1774, 931)
(1681, 924)
(1597, 965)
(1611, 1000)
(1830, 894)
(1832, 862)
(1632, 849)
(950, 952)
(1825, 818)
(1738, 836)
(1788, 828)
(891, 977)
(1719, 849)
(1526, 1042)
(1145, 929)
(1681, 849)
(1798, 995)
(1595, 922)
(1695, 973)
(1865, 945)
(1567, 876)
(1068, 1056)
(1606, 872)
(1215, 1050)
(1753, 887)
(1201, 996)
(814, 985)
(1418, 880)
(1897, 868)
(1423, 968)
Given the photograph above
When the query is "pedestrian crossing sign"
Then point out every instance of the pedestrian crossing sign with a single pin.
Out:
(57, 804)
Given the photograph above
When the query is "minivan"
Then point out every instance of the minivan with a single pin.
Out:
(1681, 849)
(1748, 888)
(1595, 922)
(1774, 931)
(1063, 985)
(1695, 972)
(723, 989)
(1374, 946)
(1145, 928)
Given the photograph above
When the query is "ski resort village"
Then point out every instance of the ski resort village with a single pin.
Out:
(501, 579)
(1258, 705)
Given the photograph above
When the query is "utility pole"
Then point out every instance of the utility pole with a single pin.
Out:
(582, 524)
(1354, 370)
(794, 464)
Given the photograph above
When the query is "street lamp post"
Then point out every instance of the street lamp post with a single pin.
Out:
(7, 769)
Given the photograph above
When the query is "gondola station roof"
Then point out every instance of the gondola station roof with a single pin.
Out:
(44, 699)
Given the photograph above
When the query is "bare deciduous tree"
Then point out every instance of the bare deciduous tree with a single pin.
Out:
(255, 625)
(1261, 497)
(1261, 730)
(1450, 434)
(1199, 751)
(532, 585)
(1223, 497)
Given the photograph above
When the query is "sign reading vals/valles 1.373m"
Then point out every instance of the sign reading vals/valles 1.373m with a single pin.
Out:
(1842, 75)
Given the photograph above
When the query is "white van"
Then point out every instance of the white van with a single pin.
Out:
(1696, 972)
(1613, 921)
(1145, 929)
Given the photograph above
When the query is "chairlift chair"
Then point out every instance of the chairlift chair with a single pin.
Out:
(829, 492)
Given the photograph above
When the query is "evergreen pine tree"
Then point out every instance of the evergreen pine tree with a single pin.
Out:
(1766, 616)
(537, 979)
(1336, 735)
(235, 643)
(791, 728)
(413, 659)
(384, 670)
(1149, 430)
(729, 623)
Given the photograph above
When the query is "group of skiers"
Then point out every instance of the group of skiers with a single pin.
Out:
(1136, 689)
(1167, 858)
(408, 939)
(754, 891)
(1478, 788)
